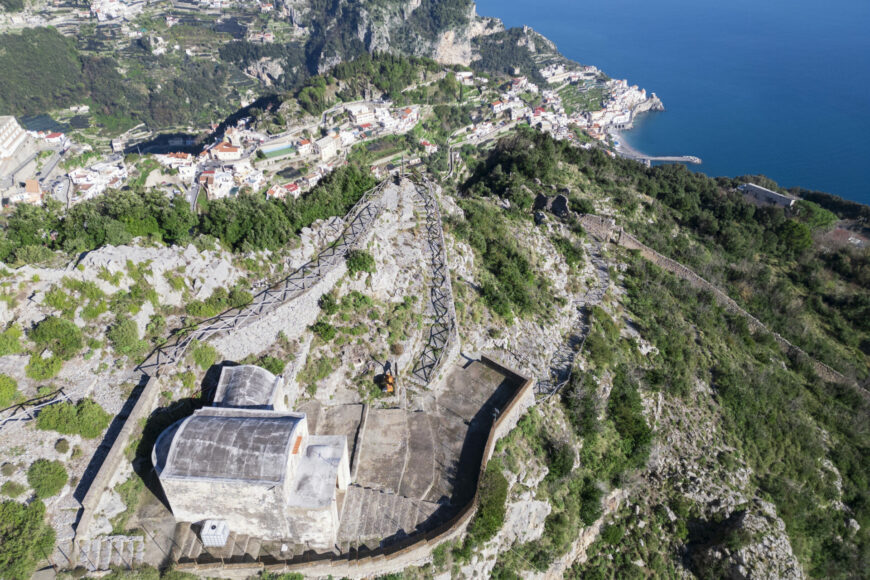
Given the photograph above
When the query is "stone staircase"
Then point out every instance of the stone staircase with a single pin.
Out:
(371, 515)
(188, 547)
(106, 552)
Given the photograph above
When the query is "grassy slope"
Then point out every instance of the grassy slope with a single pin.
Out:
(780, 419)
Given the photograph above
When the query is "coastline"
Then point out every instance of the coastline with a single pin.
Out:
(624, 149)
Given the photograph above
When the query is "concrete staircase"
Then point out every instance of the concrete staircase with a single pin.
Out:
(188, 547)
(370, 515)
(105, 552)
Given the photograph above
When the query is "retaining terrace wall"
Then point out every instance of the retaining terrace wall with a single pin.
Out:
(101, 483)
(416, 550)
(291, 318)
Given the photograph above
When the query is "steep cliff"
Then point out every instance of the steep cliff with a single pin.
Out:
(340, 29)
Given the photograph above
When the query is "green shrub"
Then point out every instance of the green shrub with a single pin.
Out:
(41, 368)
(612, 534)
(329, 304)
(590, 501)
(219, 301)
(204, 355)
(25, 538)
(61, 336)
(12, 489)
(46, 477)
(10, 340)
(324, 330)
(360, 261)
(7, 469)
(85, 418)
(8, 391)
(188, 380)
(272, 364)
(573, 253)
(61, 446)
(124, 336)
(491, 510)
(60, 300)
(355, 301)
(560, 459)
(93, 309)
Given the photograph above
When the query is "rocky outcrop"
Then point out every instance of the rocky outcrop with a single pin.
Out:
(266, 70)
(751, 543)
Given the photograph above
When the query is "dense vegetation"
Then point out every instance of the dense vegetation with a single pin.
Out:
(509, 285)
(387, 73)
(764, 257)
(502, 52)
(12, 5)
(491, 510)
(68, 77)
(783, 421)
(766, 408)
(85, 418)
(25, 538)
(242, 223)
(8, 391)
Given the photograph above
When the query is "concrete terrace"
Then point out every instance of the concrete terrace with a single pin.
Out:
(414, 469)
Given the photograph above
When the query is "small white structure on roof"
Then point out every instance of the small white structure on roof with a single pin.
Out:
(250, 387)
(214, 533)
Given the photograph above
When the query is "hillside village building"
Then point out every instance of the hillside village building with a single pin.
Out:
(12, 136)
(328, 147)
(251, 464)
(224, 151)
(361, 114)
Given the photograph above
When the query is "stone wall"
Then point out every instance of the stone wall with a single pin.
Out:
(145, 404)
(291, 318)
(416, 550)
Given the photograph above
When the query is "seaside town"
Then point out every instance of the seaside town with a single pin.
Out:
(50, 164)
(381, 289)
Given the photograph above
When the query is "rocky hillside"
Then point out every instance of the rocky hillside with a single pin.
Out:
(687, 442)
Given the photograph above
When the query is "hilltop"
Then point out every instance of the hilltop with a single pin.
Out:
(604, 369)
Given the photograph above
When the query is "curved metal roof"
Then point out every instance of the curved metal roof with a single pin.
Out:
(232, 444)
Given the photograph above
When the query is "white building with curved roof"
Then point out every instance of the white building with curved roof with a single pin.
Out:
(255, 468)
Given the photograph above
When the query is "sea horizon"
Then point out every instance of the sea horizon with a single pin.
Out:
(779, 88)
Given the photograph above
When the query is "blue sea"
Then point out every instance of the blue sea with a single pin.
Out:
(778, 87)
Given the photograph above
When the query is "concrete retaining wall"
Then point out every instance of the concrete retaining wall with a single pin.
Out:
(144, 406)
(291, 318)
(415, 550)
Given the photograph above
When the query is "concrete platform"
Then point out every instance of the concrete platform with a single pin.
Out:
(416, 468)
(384, 453)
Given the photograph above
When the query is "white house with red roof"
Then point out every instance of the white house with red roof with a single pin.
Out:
(225, 151)
(283, 191)
(428, 147)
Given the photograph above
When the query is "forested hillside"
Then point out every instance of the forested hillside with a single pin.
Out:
(68, 77)
(804, 440)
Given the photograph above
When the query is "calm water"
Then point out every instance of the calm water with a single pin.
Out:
(779, 87)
